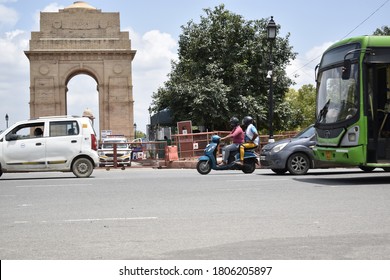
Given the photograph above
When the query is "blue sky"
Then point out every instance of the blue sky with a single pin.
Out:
(154, 28)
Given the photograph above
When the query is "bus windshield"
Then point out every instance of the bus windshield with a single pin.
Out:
(337, 99)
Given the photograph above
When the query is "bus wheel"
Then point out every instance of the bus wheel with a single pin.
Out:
(367, 168)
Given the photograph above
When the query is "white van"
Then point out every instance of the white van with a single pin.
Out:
(106, 153)
(60, 143)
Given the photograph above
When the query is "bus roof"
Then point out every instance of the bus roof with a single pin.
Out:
(365, 41)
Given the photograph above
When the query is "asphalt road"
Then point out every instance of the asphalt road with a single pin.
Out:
(144, 213)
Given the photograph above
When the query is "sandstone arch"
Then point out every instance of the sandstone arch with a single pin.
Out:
(81, 39)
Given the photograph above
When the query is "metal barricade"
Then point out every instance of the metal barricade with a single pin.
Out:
(144, 153)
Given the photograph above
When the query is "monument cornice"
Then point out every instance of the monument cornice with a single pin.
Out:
(81, 54)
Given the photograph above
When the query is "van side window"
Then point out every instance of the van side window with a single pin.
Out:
(26, 131)
(64, 128)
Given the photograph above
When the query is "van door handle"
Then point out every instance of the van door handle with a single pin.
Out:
(38, 144)
(73, 141)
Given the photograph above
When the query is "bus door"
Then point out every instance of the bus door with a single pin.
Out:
(378, 105)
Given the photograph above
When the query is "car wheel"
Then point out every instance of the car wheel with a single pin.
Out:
(203, 167)
(279, 171)
(82, 167)
(367, 168)
(298, 164)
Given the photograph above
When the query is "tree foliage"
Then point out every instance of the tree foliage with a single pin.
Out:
(301, 103)
(221, 71)
(383, 31)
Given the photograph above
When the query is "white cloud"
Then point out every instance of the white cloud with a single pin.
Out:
(8, 17)
(11, 45)
(14, 65)
(302, 68)
(53, 7)
(151, 65)
(318, 50)
(155, 50)
(14, 76)
(12, 61)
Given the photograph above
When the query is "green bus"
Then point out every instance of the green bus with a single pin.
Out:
(353, 103)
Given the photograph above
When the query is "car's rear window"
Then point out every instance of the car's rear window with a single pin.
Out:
(64, 128)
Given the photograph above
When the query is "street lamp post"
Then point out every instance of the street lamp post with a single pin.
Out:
(6, 119)
(271, 35)
(135, 131)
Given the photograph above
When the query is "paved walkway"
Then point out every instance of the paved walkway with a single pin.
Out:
(178, 164)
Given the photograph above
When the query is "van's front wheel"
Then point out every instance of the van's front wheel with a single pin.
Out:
(82, 167)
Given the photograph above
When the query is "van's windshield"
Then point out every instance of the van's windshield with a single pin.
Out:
(121, 144)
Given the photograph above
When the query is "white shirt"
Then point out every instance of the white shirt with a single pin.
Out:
(250, 132)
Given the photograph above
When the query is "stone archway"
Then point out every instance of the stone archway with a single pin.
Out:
(81, 39)
(82, 94)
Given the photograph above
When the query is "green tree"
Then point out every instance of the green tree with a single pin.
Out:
(221, 71)
(383, 31)
(139, 134)
(302, 105)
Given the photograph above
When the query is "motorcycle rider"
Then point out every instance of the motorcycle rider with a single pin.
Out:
(252, 138)
(237, 135)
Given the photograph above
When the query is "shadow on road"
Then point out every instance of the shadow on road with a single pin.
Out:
(366, 179)
(336, 247)
(40, 178)
(332, 177)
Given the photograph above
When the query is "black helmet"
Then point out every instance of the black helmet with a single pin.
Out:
(234, 121)
(247, 120)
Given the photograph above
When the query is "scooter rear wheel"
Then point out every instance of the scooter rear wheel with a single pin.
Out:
(203, 167)
(249, 167)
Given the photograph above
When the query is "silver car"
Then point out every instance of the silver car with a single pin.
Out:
(294, 154)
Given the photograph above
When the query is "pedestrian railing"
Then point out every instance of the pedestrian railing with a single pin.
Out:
(187, 146)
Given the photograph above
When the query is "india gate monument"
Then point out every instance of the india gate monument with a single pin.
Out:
(81, 39)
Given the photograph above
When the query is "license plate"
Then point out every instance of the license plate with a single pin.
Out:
(328, 155)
